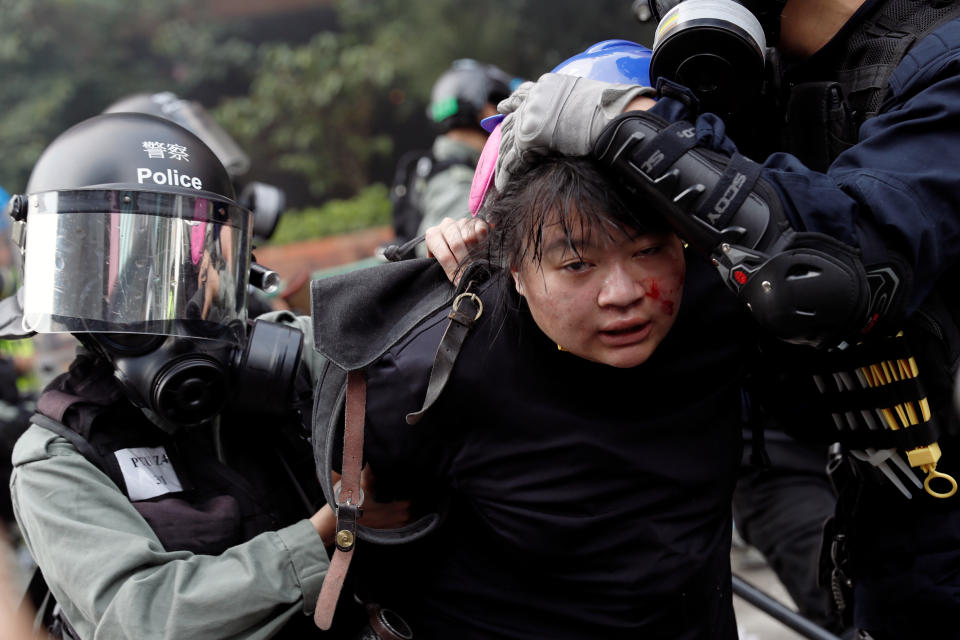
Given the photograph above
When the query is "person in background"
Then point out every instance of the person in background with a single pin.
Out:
(431, 186)
(18, 380)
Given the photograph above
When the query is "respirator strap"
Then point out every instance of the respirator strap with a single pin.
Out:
(348, 501)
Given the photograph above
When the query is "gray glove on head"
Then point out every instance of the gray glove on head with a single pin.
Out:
(559, 113)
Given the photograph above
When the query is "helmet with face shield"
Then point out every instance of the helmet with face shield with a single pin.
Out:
(132, 227)
(133, 241)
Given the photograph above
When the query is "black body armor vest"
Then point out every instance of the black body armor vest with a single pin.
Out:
(822, 118)
(219, 504)
(826, 100)
(267, 482)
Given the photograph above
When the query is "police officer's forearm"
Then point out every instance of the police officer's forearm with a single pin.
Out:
(124, 581)
(640, 103)
(724, 206)
(325, 522)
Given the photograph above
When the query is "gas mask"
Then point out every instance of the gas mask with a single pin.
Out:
(185, 382)
(715, 48)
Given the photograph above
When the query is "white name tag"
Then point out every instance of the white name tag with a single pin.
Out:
(147, 472)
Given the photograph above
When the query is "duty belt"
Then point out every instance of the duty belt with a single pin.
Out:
(874, 394)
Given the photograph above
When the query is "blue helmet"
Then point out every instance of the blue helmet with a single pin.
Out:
(616, 61)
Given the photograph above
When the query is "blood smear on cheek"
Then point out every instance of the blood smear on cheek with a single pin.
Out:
(653, 290)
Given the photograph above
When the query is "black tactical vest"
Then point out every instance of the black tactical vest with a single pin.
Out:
(823, 116)
(218, 504)
(264, 484)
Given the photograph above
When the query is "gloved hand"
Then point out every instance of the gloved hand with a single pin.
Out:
(560, 113)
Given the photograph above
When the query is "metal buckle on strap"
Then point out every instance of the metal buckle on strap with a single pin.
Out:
(470, 297)
(347, 515)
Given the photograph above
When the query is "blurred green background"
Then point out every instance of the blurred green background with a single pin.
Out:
(323, 95)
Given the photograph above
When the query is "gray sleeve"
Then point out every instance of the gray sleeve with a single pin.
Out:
(113, 578)
(447, 195)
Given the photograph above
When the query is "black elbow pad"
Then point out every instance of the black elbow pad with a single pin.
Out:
(802, 287)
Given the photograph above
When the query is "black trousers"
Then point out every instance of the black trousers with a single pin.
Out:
(781, 511)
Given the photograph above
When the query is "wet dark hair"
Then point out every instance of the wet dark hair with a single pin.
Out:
(572, 192)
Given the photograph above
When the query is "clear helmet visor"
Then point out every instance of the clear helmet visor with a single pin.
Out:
(137, 263)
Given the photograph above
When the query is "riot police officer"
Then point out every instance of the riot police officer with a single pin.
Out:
(170, 455)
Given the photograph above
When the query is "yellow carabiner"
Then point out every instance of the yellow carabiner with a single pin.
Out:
(932, 474)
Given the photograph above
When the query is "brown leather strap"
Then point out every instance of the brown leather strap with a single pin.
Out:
(348, 501)
(330, 591)
(354, 413)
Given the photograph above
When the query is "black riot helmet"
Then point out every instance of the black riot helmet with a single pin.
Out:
(716, 48)
(460, 93)
(133, 241)
(122, 211)
(192, 116)
(265, 200)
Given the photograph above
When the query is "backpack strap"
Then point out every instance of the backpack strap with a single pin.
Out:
(331, 391)
(348, 501)
(461, 321)
(467, 309)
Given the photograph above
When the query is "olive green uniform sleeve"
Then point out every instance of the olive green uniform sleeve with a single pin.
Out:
(113, 578)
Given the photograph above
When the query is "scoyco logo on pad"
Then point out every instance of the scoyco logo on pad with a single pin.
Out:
(167, 150)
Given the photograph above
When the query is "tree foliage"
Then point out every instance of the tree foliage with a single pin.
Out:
(341, 108)
(368, 208)
(52, 61)
(323, 114)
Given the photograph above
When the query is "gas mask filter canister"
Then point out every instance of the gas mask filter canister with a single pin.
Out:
(716, 48)
(186, 382)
